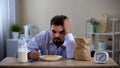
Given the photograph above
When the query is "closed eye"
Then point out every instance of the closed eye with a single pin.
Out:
(53, 31)
(62, 32)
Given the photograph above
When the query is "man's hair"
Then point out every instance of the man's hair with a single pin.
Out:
(58, 20)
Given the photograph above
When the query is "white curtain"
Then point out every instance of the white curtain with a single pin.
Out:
(7, 18)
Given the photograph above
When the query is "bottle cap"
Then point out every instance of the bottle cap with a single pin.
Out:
(22, 35)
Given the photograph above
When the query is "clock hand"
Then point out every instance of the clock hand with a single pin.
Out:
(101, 56)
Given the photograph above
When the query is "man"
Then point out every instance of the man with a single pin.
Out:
(56, 41)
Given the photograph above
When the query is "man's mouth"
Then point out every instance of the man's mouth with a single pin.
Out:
(57, 39)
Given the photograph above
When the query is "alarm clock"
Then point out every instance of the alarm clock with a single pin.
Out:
(101, 56)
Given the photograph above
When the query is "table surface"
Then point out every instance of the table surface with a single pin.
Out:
(63, 63)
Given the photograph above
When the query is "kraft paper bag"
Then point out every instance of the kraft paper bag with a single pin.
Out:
(82, 50)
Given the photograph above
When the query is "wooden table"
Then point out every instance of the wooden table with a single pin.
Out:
(11, 62)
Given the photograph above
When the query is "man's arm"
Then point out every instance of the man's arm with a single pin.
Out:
(69, 39)
(33, 47)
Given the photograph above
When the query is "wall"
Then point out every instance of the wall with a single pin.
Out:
(39, 12)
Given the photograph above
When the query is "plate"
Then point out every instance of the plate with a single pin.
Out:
(50, 57)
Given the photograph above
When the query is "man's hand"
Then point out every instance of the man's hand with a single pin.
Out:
(67, 26)
(34, 55)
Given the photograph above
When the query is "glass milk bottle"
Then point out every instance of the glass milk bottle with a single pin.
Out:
(22, 50)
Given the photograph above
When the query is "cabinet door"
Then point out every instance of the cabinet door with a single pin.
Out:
(11, 47)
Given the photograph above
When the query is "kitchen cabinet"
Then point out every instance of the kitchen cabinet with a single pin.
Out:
(11, 47)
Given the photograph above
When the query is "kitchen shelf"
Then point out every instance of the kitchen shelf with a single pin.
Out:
(108, 33)
(110, 51)
(114, 34)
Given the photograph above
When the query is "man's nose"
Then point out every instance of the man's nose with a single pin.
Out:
(57, 34)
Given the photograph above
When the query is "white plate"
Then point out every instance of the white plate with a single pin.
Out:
(50, 57)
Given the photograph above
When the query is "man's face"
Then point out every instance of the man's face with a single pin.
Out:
(57, 33)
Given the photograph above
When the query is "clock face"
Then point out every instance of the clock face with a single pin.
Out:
(101, 57)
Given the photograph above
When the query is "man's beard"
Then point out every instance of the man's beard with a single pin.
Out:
(58, 42)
